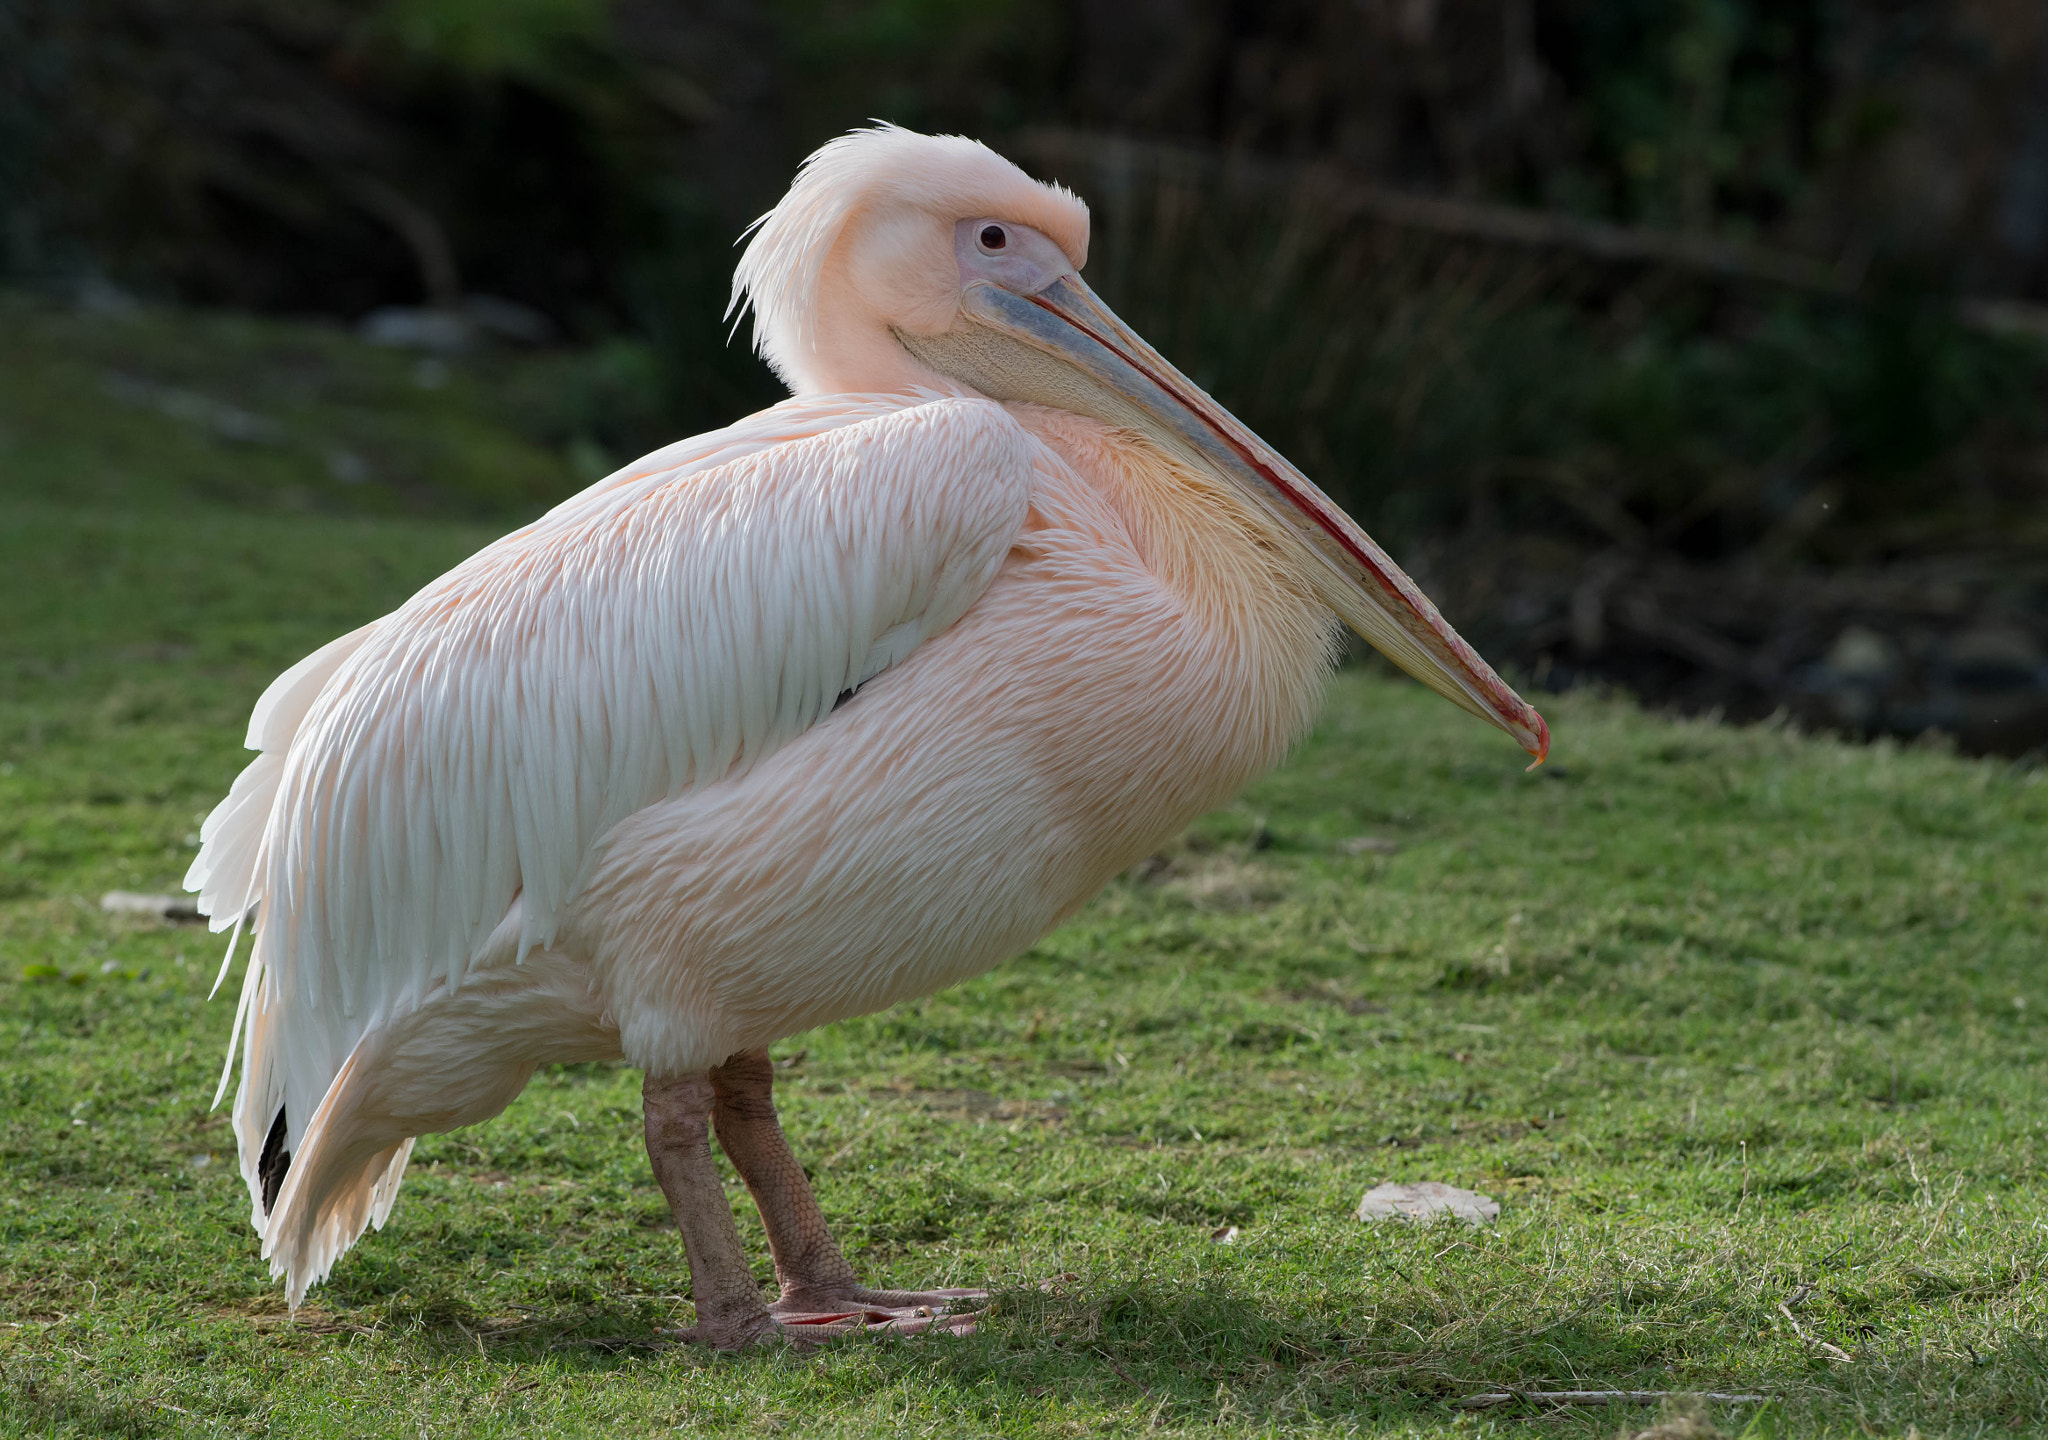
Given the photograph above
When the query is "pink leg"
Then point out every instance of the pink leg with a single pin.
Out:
(730, 1312)
(818, 1284)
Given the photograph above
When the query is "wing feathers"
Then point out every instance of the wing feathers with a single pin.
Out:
(230, 839)
(656, 633)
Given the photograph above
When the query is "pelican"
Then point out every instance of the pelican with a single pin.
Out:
(781, 724)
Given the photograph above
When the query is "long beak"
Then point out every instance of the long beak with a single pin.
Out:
(1063, 347)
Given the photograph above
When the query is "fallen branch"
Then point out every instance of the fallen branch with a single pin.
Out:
(1834, 1351)
(1127, 1376)
(1117, 158)
(1600, 1397)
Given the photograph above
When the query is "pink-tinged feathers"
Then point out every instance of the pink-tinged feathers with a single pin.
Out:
(650, 637)
(852, 251)
(593, 794)
(1126, 671)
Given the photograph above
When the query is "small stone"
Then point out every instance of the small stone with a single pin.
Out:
(167, 907)
(345, 467)
(404, 327)
(1860, 656)
(1425, 1200)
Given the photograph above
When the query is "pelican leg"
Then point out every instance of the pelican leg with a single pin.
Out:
(730, 1311)
(818, 1285)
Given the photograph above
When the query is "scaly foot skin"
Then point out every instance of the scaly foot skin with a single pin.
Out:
(814, 1319)
(855, 1309)
(820, 1296)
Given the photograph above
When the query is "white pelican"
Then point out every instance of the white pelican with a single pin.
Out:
(781, 724)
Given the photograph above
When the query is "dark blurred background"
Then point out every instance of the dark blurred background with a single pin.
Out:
(1699, 346)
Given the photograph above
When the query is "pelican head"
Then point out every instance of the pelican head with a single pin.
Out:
(900, 260)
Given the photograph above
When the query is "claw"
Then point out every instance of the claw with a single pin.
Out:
(816, 1326)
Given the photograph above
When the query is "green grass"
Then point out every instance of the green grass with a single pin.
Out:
(1725, 1018)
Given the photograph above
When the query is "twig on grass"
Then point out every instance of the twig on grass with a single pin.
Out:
(1599, 1397)
(313, 1322)
(1127, 1376)
(1834, 1351)
(612, 1344)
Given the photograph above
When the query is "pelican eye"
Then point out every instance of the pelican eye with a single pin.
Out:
(993, 237)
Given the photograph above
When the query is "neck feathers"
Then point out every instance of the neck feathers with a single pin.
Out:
(1253, 625)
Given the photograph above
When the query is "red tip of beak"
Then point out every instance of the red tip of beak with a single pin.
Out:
(1541, 749)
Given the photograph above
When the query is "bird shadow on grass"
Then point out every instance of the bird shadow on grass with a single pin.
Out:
(1169, 1347)
(1176, 1345)
(50, 1404)
(1181, 1347)
(1174, 1349)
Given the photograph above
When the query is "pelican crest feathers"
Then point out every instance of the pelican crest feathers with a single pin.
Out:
(882, 171)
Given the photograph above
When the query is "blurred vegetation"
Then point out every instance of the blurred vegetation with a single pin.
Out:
(1570, 445)
(594, 158)
(148, 411)
(1446, 385)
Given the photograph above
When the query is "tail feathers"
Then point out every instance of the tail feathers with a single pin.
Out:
(273, 1164)
(320, 1175)
(342, 1181)
(305, 1240)
(312, 1236)
(224, 873)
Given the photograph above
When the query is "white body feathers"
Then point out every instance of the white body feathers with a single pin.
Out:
(587, 796)
(593, 795)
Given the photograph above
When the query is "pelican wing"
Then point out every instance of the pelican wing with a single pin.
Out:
(661, 631)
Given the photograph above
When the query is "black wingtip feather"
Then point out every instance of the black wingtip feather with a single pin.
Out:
(274, 1163)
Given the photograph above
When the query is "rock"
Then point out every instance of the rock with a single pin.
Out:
(1995, 657)
(508, 320)
(406, 327)
(97, 295)
(345, 467)
(1861, 656)
(164, 907)
(452, 332)
(1425, 1200)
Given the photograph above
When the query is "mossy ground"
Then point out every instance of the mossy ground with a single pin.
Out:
(1742, 1028)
